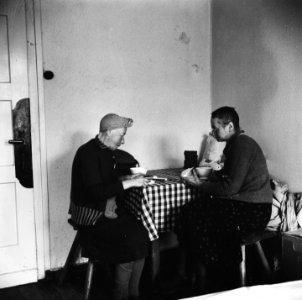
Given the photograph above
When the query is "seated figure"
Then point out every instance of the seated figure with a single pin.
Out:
(107, 230)
(234, 201)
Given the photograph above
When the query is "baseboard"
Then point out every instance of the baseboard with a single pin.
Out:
(18, 278)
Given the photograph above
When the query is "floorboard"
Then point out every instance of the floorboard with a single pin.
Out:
(72, 288)
(168, 285)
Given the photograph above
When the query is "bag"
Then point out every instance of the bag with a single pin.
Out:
(280, 191)
(292, 212)
(124, 161)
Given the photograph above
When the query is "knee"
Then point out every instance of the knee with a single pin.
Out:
(126, 267)
(123, 273)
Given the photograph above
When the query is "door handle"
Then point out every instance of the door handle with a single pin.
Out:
(16, 142)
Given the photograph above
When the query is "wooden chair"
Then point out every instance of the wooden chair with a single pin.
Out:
(74, 252)
(256, 239)
(124, 161)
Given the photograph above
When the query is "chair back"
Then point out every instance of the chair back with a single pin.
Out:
(124, 161)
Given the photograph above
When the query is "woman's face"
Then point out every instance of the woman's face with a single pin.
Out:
(116, 137)
(220, 131)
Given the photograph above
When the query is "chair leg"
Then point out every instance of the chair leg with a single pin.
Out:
(264, 261)
(88, 282)
(155, 255)
(73, 254)
(243, 266)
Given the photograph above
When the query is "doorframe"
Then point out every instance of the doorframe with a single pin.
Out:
(36, 95)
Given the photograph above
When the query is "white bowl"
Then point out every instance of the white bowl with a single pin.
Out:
(203, 172)
(138, 170)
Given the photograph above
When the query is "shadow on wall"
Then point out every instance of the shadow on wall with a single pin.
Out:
(63, 164)
(59, 196)
(243, 68)
(172, 154)
(289, 9)
(170, 151)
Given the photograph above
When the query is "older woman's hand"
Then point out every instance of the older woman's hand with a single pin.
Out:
(138, 181)
(131, 176)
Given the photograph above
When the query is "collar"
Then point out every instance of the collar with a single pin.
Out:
(239, 132)
(232, 138)
(104, 147)
(101, 144)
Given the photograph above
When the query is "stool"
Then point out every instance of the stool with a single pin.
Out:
(74, 252)
(255, 239)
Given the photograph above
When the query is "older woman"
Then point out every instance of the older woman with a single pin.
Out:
(107, 230)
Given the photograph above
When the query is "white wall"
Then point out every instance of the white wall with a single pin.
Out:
(149, 60)
(257, 67)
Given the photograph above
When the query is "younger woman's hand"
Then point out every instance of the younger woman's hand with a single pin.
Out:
(192, 179)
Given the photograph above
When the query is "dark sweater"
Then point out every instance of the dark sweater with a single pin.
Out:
(93, 176)
(245, 175)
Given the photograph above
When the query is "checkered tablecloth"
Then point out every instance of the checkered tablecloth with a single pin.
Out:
(158, 205)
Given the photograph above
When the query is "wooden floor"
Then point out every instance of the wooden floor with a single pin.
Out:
(168, 286)
(73, 288)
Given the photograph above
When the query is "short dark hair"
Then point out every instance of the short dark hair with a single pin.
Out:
(227, 114)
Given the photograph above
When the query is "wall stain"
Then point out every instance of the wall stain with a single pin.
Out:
(243, 67)
(184, 38)
(197, 68)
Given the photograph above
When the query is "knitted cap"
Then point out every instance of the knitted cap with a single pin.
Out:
(113, 121)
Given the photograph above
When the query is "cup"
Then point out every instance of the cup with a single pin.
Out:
(203, 172)
(138, 170)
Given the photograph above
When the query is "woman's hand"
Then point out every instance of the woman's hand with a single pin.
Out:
(128, 177)
(137, 181)
(196, 180)
(193, 179)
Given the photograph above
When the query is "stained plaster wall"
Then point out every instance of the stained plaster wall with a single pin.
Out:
(149, 60)
(257, 68)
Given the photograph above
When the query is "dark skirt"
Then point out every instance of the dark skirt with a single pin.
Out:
(119, 240)
(211, 228)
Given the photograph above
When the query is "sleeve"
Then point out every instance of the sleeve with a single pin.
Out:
(98, 191)
(236, 167)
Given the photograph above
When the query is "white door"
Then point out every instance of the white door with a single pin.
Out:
(18, 261)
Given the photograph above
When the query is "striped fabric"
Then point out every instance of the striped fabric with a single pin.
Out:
(292, 212)
(83, 215)
(280, 192)
(298, 202)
